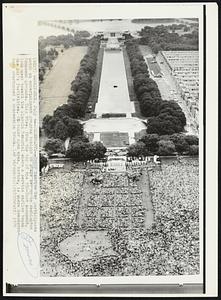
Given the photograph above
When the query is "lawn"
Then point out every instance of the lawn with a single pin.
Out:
(96, 80)
(56, 86)
(114, 139)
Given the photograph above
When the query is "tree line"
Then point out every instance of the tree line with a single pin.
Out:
(164, 117)
(151, 144)
(79, 148)
(79, 38)
(45, 59)
(160, 38)
(153, 20)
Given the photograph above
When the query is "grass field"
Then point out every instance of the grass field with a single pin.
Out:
(115, 139)
(145, 50)
(154, 68)
(56, 86)
(131, 86)
(96, 80)
(129, 77)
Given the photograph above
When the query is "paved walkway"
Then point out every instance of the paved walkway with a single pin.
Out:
(146, 195)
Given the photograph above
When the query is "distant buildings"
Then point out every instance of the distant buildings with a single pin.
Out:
(184, 66)
(111, 40)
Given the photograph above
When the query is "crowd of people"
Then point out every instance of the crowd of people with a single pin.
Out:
(60, 192)
(169, 247)
(113, 202)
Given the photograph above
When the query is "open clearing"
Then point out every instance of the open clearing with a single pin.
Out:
(87, 245)
(56, 86)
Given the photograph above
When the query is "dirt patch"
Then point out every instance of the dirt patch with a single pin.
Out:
(87, 245)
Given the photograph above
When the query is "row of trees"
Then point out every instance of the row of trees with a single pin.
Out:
(45, 60)
(67, 40)
(61, 126)
(170, 119)
(174, 27)
(63, 123)
(152, 144)
(153, 20)
(82, 84)
(46, 57)
(137, 62)
(164, 117)
(84, 150)
(79, 149)
(160, 38)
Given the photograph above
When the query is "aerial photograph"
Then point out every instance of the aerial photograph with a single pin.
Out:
(119, 147)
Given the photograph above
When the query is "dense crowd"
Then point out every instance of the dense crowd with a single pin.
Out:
(60, 192)
(115, 202)
(169, 247)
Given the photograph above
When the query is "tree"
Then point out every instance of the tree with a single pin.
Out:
(166, 147)
(74, 127)
(97, 150)
(192, 139)
(54, 146)
(48, 125)
(149, 107)
(83, 151)
(136, 149)
(160, 126)
(64, 110)
(194, 150)
(160, 38)
(180, 143)
(151, 143)
(79, 151)
(60, 131)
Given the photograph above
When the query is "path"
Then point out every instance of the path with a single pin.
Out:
(144, 185)
(86, 193)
